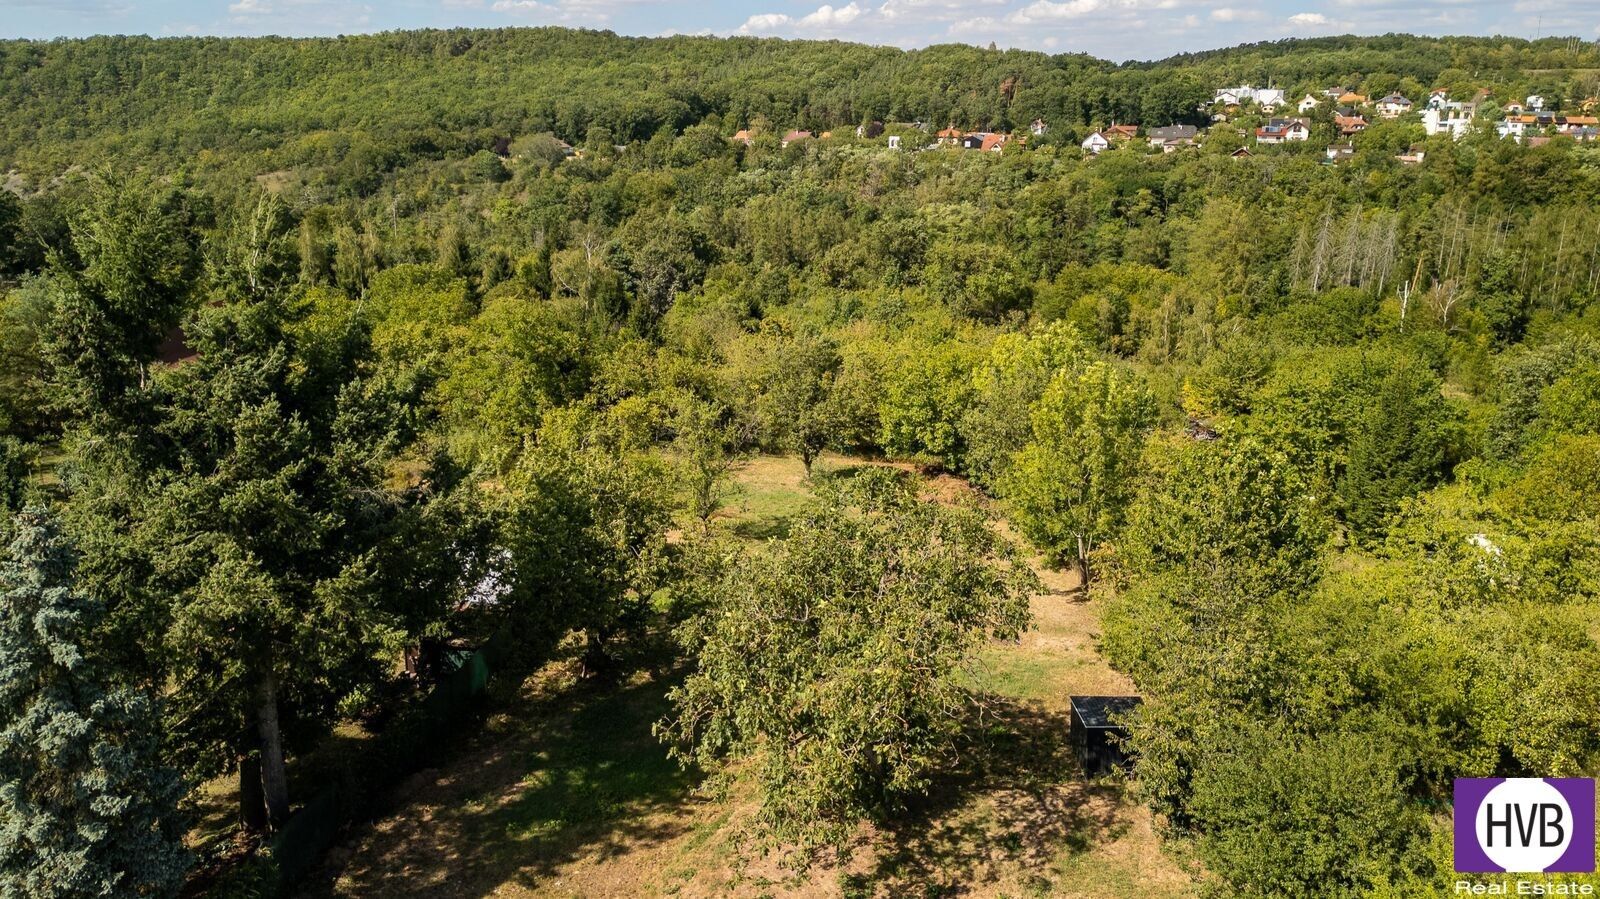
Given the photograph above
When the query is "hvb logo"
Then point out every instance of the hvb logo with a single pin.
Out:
(1524, 825)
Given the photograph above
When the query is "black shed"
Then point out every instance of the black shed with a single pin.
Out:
(1097, 732)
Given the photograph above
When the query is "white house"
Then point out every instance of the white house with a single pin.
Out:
(1096, 143)
(1515, 126)
(1535, 101)
(1438, 99)
(1393, 106)
(1308, 103)
(1280, 131)
(1039, 128)
(1238, 96)
(1453, 119)
(894, 141)
(1231, 96)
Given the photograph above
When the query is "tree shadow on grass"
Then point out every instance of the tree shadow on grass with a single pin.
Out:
(1018, 799)
(556, 778)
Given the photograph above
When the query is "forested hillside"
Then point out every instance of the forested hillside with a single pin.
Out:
(325, 363)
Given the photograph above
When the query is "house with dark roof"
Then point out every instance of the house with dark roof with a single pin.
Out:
(1393, 106)
(1278, 131)
(1171, 137)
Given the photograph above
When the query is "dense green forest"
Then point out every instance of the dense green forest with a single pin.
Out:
(320, 353)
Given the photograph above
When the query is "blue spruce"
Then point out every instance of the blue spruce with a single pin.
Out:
(86, 807)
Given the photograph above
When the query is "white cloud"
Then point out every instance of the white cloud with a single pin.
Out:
(828, 17)
(1309, 19)
(250, 8)
(1234, 14)
(1046, 11)
(764, 22)
(824, 18)
(522, 7)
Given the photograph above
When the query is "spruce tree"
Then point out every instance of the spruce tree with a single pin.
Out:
(86, 807)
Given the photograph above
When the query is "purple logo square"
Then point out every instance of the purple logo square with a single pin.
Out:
(1520, 825)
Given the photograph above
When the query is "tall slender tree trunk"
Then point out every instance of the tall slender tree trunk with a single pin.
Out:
(274, 776)
(1083, 562)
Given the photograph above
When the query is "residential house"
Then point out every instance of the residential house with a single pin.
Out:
(994, 143)
(1238, 96)
(1121, 132)
(1096, 143)
(1350, 125)
(974, 141)
(1351, 98)
(1514, 108)
(1454, 119)
(951, 136)
(1340, 152)
(1438, 98)
(894, 141)
(870, 131)
(793, 136)
(1279, 131)
(743, 136)
(1172, 137)
(1393, 106)
(1241, 153)
(1535, 102)
(1412, 156)
(1038, 128)
(1515, 126)
(1308, 103)
(1573, 124)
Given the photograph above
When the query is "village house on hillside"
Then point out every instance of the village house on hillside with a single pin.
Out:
(1393, 106)
(1096, 143)
(1350, 125)
(1238, 96)
(1172, 137)
(1308, 103)
(1279, 131)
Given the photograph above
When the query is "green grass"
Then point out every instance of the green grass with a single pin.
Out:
(587, 773)
(771, 494)
(1007, 672)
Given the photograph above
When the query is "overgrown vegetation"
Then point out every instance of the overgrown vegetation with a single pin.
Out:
(325, 379)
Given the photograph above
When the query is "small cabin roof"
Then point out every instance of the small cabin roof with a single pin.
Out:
(1099, 711)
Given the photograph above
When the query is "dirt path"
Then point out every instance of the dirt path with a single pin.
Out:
(565, 796)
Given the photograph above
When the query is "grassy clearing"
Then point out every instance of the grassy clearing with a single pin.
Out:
(567, 793)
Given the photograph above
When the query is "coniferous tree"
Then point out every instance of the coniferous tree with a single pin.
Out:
(86, 807)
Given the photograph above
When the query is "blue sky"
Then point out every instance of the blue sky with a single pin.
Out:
(1115, 29)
